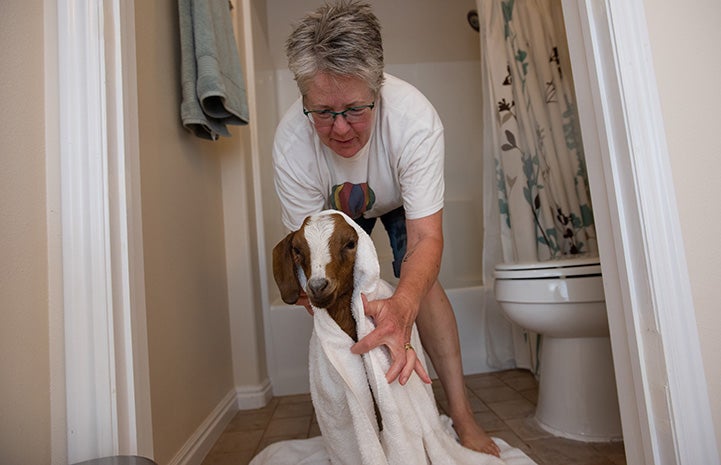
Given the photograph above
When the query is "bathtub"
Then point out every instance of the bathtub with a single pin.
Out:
(290, 328)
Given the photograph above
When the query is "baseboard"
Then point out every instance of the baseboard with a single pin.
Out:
(252, 397)
(200, 443)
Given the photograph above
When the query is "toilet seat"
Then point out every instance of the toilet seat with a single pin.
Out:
(551, 269)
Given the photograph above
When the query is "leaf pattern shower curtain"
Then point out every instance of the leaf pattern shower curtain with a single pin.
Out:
(536, 195)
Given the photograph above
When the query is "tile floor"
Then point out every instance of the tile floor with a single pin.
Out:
(503, 403)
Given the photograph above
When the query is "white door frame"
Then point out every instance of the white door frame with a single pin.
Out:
(665, 407)
(99, 268)
(97, 304)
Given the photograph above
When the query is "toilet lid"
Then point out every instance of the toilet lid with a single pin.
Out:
(567, 267)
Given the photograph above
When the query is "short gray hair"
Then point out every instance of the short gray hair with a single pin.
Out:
(342, 38)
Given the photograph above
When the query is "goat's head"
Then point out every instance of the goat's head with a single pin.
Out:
(324, 248)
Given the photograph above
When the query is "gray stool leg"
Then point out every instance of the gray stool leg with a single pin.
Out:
(119, 460)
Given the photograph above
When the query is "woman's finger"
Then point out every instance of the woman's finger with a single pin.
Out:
(369, 308)
(411, 359)
(399, 362)
(375, 338)
(368, 343)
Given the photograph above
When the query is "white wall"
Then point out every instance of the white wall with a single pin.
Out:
(685, 38)
(447, 71)
(414, 31)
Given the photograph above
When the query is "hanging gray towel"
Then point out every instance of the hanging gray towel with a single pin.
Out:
(213, 87)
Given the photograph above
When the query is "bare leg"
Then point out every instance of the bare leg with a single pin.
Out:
(439, 335)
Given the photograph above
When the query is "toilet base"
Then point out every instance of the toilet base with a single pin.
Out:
(577, 396)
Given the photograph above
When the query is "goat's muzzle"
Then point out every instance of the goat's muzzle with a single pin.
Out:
(321, 292)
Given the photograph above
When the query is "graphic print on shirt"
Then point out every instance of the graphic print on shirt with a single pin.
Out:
(352, 199)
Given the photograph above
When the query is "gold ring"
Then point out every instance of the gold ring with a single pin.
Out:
(408, 346)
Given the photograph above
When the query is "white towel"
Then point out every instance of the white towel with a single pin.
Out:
(413, 431)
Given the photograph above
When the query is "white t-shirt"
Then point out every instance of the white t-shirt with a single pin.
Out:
(402, 163)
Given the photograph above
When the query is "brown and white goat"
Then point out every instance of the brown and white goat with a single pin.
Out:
(324, 248)
(319, 258)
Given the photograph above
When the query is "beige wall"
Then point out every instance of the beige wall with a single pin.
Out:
(685, 37)
(189, 343)
(187, 294)
(24, 346)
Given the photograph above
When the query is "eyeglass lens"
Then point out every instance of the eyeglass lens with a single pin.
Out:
(351, 115)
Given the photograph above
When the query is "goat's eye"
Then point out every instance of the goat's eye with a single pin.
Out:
(350, 245)
(296, 251)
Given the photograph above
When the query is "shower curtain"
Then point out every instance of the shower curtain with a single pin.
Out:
(537, 204)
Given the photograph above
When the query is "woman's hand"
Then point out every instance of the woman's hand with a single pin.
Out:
(394, 322)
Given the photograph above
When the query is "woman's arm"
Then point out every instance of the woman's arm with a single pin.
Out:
(394, 317)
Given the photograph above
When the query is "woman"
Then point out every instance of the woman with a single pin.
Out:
(371, 145)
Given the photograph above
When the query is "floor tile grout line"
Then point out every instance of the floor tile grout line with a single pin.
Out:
(257, 449)
(505, 379)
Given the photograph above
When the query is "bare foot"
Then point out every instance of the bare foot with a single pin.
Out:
(475, 438)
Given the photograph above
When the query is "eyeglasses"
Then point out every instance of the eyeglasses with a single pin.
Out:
(326, 118)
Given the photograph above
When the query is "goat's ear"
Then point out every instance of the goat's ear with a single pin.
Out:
(284, 270)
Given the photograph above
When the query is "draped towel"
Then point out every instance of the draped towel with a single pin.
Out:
(212, 82)
(341, 382)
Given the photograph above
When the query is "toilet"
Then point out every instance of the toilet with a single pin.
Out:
(563, 301)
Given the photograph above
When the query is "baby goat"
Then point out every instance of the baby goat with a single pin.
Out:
(321, 257)
(324, 248)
